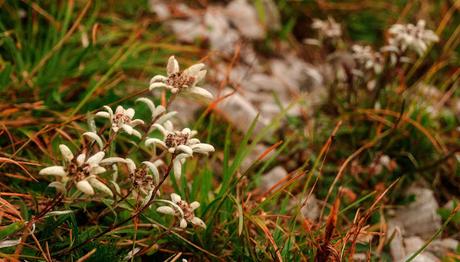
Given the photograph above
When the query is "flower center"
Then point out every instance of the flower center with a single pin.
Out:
(121, 119)
(180, 80)
(176, 139)
(188, 213)
(79, 172)
(141, 180)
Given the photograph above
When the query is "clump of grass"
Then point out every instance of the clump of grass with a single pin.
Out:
(373, 135)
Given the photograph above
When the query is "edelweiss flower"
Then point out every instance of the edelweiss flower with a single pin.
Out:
(410, 36)
(140, 179)
(367, 58)
(81, 170)
(182, 82)
(122, 119)
(179, 142)
(328, 28)
(183, 210)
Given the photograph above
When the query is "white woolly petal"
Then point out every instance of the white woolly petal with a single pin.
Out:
(81, 159)
(60, 187)
(156, 85)
(175, 198)
(128, 129)
(154, 169)
(185, 149)
(98, 170)
(182, 156)
(53, 171)
(202, 148)
(201, 92)
(158, 162)
(147, 198)
(100, 186)
(194, 69)
(166, 117)
(173, 66)
(177, 165)
(104, 115)
(130, 112)
(194, 205)
(155, 141)
(111, 160)
(193, 141)
(136, 133)
(115, 128)
(200, 76)
(131, 165)
(119, 110)
(109, 110)
(168, 125)
(158, 111)
(183, 223)
(136, 122)
(96, 158)
(85, 187)
(158, 78)
(148, 102)
(66, 153)
(94, 137)
(198, 222)
(166, 210)
(115, 172)
(162, 129)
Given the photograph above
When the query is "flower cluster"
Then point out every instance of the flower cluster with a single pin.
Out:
(82, 171)
(183, 210)
(409, 36)
(182, 82)
(122, 119)
(145, 178)
(181, 143)
(367, 58)
(327, 28)
(140, 178)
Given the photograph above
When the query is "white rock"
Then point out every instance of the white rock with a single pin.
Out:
(160, 9)
(244, 17)
(420, 218)
(255, 153)
(397, 250)
(240, 112)
(424, 257)
(311, 209)
(441, 247)
(221, 36)
(187, 30)
(272, 177)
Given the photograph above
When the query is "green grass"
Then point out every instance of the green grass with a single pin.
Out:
(50, 84)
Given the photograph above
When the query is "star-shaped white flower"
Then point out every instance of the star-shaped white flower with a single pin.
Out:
(409, 36)
(122, 119)
(327, 28)
(179, 142)
(182, 82)
(368, 58)
(140, 178)
(183, 210)
(82, 171)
